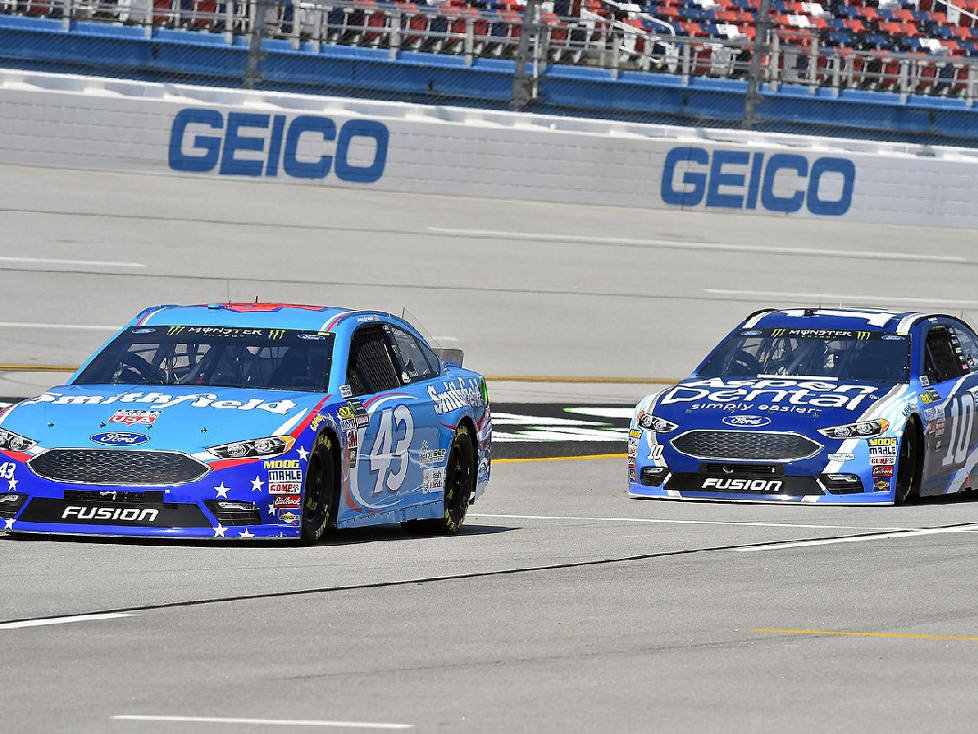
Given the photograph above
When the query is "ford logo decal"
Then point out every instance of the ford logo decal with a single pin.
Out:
(119, 438)
(746, 421)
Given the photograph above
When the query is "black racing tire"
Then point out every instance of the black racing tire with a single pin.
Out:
(909, 465)
(460, 479)
(320, 494)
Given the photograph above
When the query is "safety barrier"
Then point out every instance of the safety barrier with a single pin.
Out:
(279, 138)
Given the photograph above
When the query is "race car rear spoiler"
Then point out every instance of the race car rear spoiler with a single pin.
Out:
(450, 356)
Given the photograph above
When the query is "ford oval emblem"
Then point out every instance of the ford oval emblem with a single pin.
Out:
(119, 438)
(746, 421)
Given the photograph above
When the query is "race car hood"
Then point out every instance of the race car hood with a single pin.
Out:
(171, 417)
(775, 403)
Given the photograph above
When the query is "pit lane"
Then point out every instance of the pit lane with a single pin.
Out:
(563, 604)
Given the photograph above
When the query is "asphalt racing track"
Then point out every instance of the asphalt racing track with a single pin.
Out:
(564, 605)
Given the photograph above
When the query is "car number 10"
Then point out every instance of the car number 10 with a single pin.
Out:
(962, 421)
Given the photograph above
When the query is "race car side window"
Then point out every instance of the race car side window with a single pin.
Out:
(370, 368)
(433, 361)
(969, 346)
(412, 361)
(940, 360)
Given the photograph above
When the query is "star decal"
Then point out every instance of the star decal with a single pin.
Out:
(222, 491)
(271, 509)
(256, 484)
(8, 524)
(219, 531)
(302, 453)
(246, 534)
(12, 484)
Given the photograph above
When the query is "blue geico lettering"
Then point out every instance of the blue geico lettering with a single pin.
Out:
(255, 145)
(733, 179)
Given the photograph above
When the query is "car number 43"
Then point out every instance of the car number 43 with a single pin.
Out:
(389, 452)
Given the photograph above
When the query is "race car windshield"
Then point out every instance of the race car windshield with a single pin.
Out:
(265, 359)
(841, 354)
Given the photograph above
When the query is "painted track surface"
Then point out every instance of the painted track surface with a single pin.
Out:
(563, 604)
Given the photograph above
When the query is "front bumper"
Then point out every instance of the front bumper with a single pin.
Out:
(237, 501)
(147, 519)
(787, 488)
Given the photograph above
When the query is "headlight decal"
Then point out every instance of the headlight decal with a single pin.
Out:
(860, 429)
(653, 423)
(256, 448)
(10, 441)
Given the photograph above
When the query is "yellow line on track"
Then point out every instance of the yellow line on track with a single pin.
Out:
(559, 458)
(583, 380)
(897, 635)
(35, 368)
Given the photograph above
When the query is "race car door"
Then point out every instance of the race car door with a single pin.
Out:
(417, 367)
(383, 477)
(948, 411)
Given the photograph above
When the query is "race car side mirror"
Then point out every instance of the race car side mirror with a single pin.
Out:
(450, 356)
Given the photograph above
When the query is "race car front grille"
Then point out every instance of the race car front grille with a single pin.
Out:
(117, 467)
(730, 469)
(745, 445)
(110, 496)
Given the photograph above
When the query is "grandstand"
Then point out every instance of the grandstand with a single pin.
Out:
(923, 47)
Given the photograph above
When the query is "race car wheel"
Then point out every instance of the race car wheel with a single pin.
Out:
(319, 494)
(460, 478)
(909, 465)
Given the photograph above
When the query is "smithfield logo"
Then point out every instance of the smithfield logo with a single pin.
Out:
(747, 421)
(252, 144)
(738, 179)
(119, 438)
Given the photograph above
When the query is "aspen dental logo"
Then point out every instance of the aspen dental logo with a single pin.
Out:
(159, 401)
(765, 394)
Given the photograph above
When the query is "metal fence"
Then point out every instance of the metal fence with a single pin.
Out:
(543, 45)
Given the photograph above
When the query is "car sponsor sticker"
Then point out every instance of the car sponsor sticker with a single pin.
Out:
(288, 517)
(287, 501)
(743, 485)
(841, 457)
(161, 401)
(132, 417)
(746, 421)
(454, 397)
(430, 456)
(434, 478)
(883, 442)
(119, 438)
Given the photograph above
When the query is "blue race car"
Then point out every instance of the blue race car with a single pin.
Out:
(816, 405)
(250, 421)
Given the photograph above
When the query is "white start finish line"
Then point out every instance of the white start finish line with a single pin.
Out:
(263, 722)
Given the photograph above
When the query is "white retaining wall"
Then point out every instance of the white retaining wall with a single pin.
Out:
(101, 124)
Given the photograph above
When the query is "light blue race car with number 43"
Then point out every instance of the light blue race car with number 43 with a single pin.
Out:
(241, 420)
(816, 405)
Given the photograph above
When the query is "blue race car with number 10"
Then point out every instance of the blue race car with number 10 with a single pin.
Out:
(820, 406)
(233, 420)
